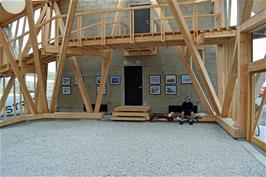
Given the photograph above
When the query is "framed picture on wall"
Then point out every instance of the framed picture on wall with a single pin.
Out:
(97, 90)
(170, 90)
(66, 80)
(114, 80)
(66, 90)
(155, 79)
(98, 80)
(155, 90)
(76, 82)
(185, 79)
(170, 79)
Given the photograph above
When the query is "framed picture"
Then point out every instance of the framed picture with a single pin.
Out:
(66, 90)
(170, 90)
(155, 79)
(97, 90)
(66, 80)
(185, 79)
(76, 82)
(98, 80)
(155, 90)
(170, 79)
(114, 80)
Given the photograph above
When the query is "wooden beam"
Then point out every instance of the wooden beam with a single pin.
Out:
(245, 12)
(257, 66)
(121, 3)
(62, 55)
(81, 51)
(230, 86)
(34, 43)
(180, 20)
(196, 84)
(106, 67)
(244, 57)
(11, 58)
(254, 22)
(60, 22)
(6, 91)
(258, 113)
(82, 88)
(39, 21)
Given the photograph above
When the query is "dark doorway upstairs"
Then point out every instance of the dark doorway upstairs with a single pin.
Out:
(141, 20)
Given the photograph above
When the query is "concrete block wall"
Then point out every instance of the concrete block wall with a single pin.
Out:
(165, 63)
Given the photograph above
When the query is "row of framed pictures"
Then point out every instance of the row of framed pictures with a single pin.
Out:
(169, 79)
(66, 90)
(66, 80)
(169, 90)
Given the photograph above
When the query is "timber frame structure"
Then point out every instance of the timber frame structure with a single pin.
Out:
(231, 104)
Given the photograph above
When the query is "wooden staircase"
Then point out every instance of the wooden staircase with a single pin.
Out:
(131, 113)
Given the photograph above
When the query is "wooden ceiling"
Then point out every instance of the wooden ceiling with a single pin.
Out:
(7, 18)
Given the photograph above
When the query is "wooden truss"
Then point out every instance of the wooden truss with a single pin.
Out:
(231, 100)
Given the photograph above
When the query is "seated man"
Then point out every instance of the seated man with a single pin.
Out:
(187, 111)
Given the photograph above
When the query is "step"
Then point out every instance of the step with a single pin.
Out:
(139, 119)
(132, 109)
(130, 114)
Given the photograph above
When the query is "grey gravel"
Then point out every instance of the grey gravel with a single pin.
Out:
(105, 148)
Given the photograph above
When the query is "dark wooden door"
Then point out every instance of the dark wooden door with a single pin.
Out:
(142, 20)
(133, 85)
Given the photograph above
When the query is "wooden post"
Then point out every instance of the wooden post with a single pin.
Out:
(34, 43)
(6, 91)
(107, 63)
(180, 20)
(62, 55)
(244, 57)
(81, 85)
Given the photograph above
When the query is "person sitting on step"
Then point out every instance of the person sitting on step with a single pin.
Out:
(187, 111)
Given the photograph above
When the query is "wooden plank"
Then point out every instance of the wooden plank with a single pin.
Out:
(208, 118)
(82, 88)
(62, 55)
(244, 57)
(137, 119)
(257, 66)
(107, 63)
(84, 51)
(18, 119)
(132, 109)
(6, 92)
(254, 22)
(14, 66)
(228, 125)
(34, 43)
(130, 114)
(195, 81)
(180, 20)
(259, 143)
(230, 87)
(31, 117)
(75, 115)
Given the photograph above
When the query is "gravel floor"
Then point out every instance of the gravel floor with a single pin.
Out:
(104, 148)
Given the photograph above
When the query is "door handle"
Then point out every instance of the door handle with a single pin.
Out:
(140, 87)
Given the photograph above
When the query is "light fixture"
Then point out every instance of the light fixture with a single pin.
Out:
(13, 6)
